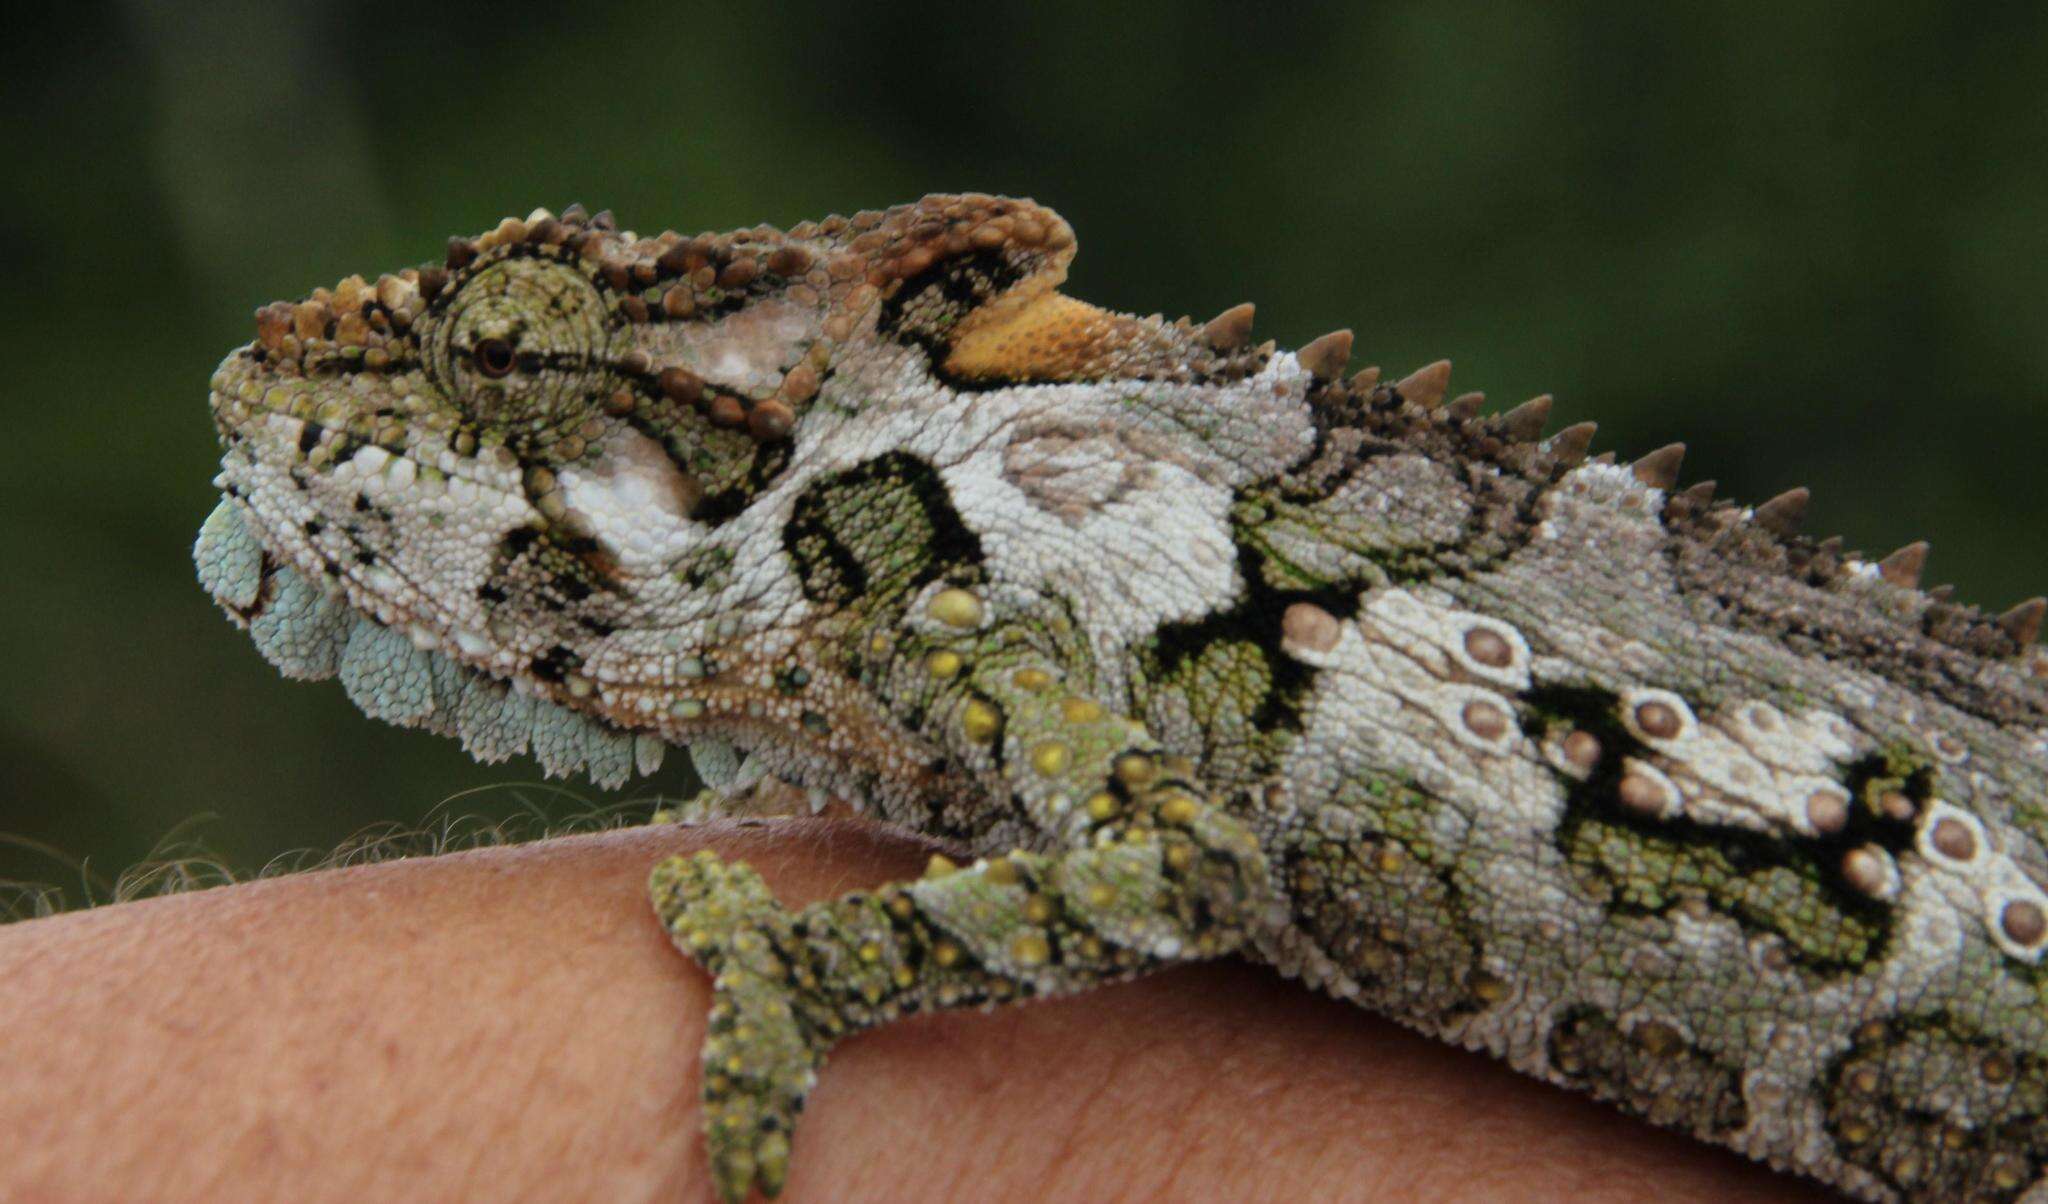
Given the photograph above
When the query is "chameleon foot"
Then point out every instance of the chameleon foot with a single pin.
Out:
(763, 1044)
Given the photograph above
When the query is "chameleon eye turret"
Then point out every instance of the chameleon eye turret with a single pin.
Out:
(1197, 645)
(525, 344)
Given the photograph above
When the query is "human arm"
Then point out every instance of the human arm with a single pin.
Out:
(512, 1023)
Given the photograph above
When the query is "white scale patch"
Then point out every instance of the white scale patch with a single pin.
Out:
(1959, 849)
(744, 351)
(1749, 766)
(635, 502)
(1396, 692)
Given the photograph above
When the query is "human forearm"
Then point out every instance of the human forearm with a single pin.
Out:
(512, 1023)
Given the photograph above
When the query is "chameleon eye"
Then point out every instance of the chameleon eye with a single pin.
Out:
(524, 345)
(494, 358)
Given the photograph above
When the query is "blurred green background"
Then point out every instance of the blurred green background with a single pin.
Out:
(1807, 238)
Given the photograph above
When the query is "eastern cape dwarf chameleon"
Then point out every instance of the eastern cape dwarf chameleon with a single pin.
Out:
(1197, 646)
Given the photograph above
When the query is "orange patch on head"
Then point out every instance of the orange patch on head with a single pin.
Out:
(1041, 336)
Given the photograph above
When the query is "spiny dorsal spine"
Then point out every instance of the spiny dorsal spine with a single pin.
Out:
(1517, 445)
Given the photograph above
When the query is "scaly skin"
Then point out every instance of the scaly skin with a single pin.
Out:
(1197, 647)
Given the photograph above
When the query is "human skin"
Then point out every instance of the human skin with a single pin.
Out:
(512, 1023)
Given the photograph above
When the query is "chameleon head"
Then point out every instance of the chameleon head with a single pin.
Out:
(541, 458)
(503, 455)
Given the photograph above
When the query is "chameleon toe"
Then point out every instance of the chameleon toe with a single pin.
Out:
(763, 1046)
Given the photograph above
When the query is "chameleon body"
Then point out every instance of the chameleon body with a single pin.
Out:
(1194, 646)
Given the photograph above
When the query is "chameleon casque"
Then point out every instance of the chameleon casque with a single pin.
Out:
(1196, 646)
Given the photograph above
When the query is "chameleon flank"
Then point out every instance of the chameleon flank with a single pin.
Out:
(1195, 646)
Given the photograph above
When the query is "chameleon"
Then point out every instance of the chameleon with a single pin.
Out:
(1186, 646)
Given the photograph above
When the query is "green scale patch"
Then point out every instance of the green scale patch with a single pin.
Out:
(876, 531)
(1654, 871)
